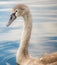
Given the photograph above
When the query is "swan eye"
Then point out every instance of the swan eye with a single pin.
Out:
(16, 10)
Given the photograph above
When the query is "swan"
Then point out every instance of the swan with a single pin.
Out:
(22, 55)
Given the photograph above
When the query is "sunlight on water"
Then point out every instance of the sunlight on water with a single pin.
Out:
(44, 33)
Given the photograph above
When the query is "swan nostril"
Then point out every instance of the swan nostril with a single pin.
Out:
(11, 18)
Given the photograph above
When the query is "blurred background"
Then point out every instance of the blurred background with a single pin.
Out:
(44, 33)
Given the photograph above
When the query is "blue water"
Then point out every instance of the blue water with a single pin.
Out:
(8, 57)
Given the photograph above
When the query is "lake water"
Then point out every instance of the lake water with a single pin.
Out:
(44, 32)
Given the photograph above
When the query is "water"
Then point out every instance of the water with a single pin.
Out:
(44, 31)
(8, 52)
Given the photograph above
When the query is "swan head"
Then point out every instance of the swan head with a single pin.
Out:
(18, 10)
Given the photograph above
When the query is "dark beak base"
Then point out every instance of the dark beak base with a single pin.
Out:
(12, 18)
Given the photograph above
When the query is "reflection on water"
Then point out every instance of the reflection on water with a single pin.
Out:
(8, 51)
(41, 49)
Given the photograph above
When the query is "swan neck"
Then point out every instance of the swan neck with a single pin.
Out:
(26, 34)
(23, 50)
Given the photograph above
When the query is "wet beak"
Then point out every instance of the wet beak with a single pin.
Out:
(12, 18)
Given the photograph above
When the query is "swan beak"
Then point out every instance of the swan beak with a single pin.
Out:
(12, 18)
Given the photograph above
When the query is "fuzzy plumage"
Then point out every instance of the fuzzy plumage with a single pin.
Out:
(22, 56)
